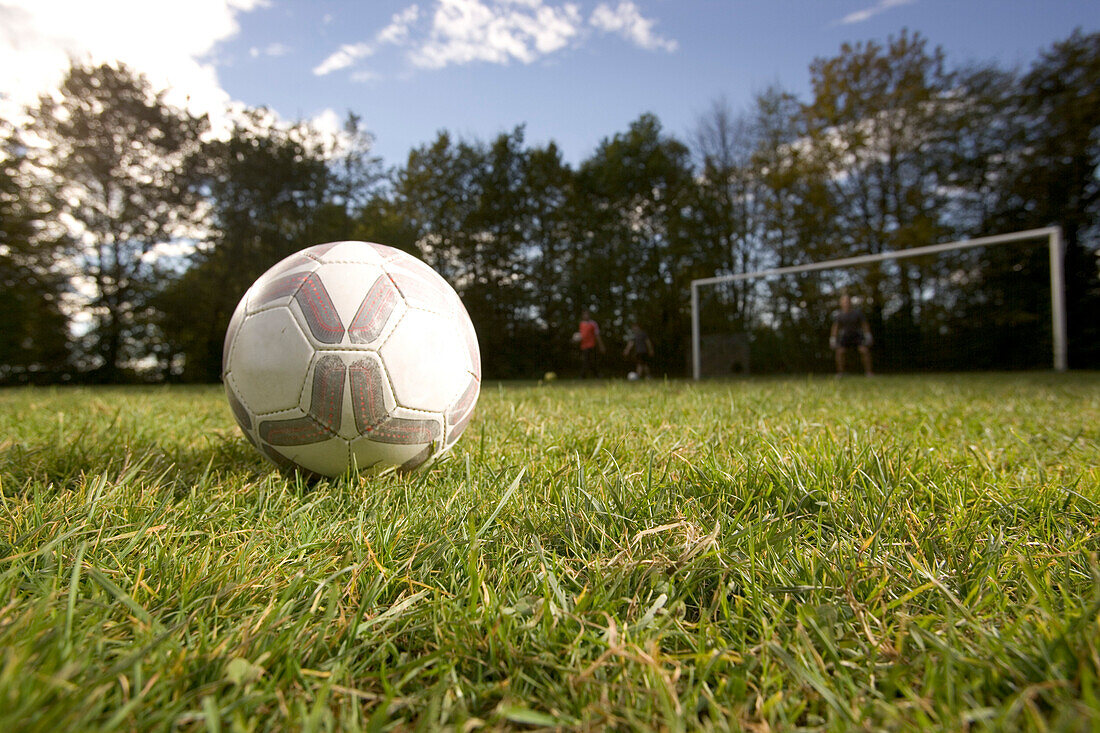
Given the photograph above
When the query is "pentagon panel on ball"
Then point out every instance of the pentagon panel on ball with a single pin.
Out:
(351, 356)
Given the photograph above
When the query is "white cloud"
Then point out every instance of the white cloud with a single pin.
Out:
(335, 139)
(397, 32)
(459, 32)
(272, 49)
(496, 31)
(627, 21)
(343, 57)
(867, 13)
(170, 42)
(328, 123)
(364, 75)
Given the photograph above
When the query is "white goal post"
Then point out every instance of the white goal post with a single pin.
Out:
(1053, 235)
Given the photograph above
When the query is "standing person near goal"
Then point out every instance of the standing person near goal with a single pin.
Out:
(588, 336)
(642, 348)
(850, 330)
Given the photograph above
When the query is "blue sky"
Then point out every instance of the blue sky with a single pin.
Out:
(575, 71)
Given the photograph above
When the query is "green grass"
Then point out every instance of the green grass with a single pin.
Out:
(895, 553)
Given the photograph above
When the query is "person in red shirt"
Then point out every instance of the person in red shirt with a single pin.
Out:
(589, 340)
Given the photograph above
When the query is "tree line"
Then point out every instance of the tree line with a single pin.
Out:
(129, 230)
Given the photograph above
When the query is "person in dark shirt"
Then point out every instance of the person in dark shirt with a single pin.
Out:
(642, 348)
(850, 330)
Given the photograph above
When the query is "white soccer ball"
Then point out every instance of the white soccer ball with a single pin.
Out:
(632, 376)
(351, 355)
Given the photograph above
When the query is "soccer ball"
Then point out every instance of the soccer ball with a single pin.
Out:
(632, 376)
(549, 376)
(351, 355)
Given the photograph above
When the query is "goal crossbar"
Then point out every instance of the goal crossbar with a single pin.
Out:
(1053, 235)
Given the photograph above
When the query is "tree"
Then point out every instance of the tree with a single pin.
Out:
(488, 218)
(1001, 318)
(729, 203)
(436, 192)
(1057, 181)
(33, 328)
(355, 180)
(633, 210)
(496, 253)
(120, 164)
(799, 223)
(876, 118)
(547, 189)
(987, 137)
(269, 190)
(356, 172)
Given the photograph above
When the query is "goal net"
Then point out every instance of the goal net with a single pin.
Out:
(991, 303)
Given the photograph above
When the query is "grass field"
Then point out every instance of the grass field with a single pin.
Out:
(893, 553)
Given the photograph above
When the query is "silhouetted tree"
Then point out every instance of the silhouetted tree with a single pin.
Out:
(729, 207)
(635, 248)
(121, 164)
(269, 190)
(33, 328)
(1058, 182)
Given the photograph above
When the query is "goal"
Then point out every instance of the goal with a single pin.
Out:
(923, 300)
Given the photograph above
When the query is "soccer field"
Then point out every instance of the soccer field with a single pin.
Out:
(900, 552)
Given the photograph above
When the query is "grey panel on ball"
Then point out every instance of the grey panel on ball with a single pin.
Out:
(325, 409)
(371, 318)
(371, 417)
